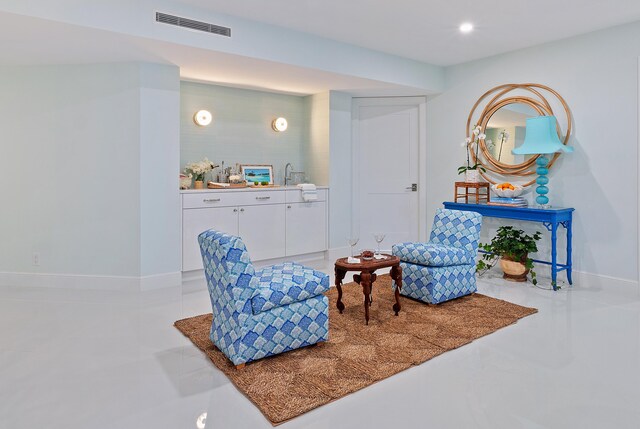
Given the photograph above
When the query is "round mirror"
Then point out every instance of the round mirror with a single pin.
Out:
(506, 130)
(502, 123)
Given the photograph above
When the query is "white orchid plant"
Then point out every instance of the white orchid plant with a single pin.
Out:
(469, 142)
(199, 169)
(504, 136)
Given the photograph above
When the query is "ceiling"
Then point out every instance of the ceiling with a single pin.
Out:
(427, 30)
(424, 30)
(23, 43)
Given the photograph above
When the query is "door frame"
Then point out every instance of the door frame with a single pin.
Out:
(421, 103)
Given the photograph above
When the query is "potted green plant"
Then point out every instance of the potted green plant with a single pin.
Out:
(471, 171)
(511, 247)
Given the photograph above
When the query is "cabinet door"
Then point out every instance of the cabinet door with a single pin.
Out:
(195, 221)
(262, 230)
(306, 227)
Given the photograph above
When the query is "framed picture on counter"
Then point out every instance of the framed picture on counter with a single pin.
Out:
(257, 174)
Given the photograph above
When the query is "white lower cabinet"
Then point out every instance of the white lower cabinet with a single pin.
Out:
(272, 224)
(195, 221)
(306, 226)
(262, 229)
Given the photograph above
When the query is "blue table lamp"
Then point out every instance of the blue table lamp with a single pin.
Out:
(542, 139)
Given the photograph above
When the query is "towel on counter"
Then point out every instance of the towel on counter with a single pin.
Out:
(309, 191)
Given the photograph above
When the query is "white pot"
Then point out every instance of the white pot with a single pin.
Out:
(471, 176)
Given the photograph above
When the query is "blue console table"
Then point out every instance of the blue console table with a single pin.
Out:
(550, 218)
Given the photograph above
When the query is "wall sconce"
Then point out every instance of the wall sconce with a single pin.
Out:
(202, 118)
(279, 124)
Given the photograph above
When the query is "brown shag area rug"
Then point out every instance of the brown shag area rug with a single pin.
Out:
(357, 355)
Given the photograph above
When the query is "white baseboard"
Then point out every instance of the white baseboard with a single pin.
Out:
(338, 252)
(597, 282)
(160, 281)
(83, 281)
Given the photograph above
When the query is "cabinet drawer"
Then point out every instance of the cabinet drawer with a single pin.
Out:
(295, 195)
(211, 199)
(253, 198)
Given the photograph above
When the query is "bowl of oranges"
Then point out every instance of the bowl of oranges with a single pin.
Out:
(507, 190)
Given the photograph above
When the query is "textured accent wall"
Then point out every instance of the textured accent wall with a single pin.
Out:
(241, 128)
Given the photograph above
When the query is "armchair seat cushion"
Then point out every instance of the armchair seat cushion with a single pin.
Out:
(283, 284)
(433, 255)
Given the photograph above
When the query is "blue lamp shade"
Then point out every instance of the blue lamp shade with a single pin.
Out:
(541, 137)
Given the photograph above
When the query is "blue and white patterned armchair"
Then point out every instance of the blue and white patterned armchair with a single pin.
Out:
(445, 267)
(258, 313)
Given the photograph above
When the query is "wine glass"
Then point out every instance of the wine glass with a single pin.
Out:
(352, 240)
(378, 236)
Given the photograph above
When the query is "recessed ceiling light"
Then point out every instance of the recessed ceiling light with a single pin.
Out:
(466, 27)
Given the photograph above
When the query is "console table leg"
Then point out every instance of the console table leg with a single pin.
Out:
(569, 256)
(554, 255)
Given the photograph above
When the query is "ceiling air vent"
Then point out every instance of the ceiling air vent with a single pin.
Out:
(192, 24)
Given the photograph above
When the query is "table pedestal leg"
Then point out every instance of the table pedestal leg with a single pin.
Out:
(396, 275)
(339, 276)
(373, 279)
(364, 280)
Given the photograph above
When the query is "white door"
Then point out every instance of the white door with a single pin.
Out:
(306, 227)
(262, 229)
(386, 162)
(196, 221)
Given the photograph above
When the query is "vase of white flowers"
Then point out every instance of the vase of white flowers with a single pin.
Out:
(198, 171)
(472, 172)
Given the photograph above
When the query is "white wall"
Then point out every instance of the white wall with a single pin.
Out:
(80, 170)
(69, 168)
(160, 214)
(316, 148)
(597, 74)
(328, 157)
(340, 169)
(241, 128)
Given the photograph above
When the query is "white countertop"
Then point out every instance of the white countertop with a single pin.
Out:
(247, 189)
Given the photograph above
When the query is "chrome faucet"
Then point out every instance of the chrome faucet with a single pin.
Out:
(286, 176)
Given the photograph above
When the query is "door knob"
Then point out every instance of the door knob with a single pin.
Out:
(412, 188)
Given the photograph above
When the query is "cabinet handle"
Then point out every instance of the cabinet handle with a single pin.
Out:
(235, 210)
(263, 198)
(211, 200)
(241, 210)
(288, 207)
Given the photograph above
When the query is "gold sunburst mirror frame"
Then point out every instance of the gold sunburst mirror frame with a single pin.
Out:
(530, 94)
